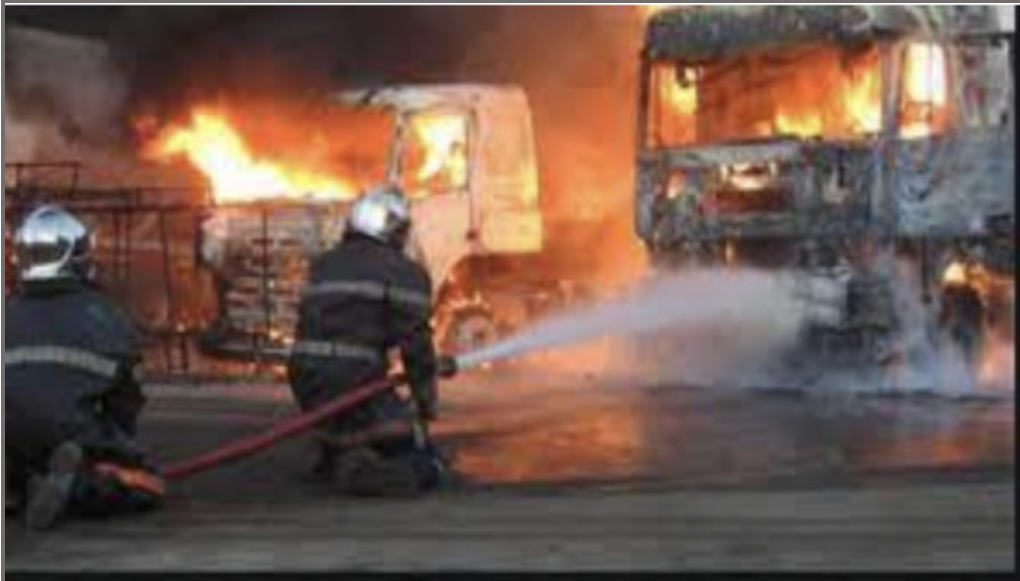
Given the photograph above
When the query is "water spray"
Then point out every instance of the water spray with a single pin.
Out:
(725, 301)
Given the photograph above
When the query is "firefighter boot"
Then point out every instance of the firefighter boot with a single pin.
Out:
(364, 472)
(49, 494)
(325, 463)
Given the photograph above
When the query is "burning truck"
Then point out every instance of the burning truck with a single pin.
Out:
(837, 143)
(465, 156)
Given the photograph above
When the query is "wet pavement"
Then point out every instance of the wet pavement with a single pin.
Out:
(700, 436)
(537, 430)
(575, 473)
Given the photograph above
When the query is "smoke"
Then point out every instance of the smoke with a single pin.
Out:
(61, 94)
(19, 135)
(579, 67)
(65, 100)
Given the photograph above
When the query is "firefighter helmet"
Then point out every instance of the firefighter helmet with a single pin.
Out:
(52, 244)
(382, 213)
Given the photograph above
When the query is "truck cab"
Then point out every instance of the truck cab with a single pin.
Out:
(827, 141)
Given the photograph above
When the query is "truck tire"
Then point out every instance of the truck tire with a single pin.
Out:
(466, 327)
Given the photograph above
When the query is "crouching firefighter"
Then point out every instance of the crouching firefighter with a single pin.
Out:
(366, 297)
(71, 396)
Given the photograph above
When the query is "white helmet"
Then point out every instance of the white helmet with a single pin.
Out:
(382, 213)
(52, 244)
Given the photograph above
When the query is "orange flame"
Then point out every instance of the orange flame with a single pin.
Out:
(683, 100)
(955, 274)
(826, 99)
(213, 146)
(926, 74)
(997, 368)
(806, 124)
(863, 99)
(926, 90)
(649, 10)
(857, 103)
(443, 139)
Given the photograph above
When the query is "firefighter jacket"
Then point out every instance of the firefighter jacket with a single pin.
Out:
(70, 359)
(364, 299)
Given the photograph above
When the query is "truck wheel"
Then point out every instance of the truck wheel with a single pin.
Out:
(467, 327)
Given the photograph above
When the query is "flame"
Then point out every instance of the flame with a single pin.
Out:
(216, 148)
(683, 100)
(863, 98)
(997, 369)
(825, 99)
(443, 139)
(650, 10)
(926, 74)
(805, 124)
(858, 107)
(956, 274)
(997, 363)
(926, 90)
(822, 95)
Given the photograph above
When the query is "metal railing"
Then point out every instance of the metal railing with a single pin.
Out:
(146, 255)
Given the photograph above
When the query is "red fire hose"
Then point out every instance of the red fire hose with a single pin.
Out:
(285, 429)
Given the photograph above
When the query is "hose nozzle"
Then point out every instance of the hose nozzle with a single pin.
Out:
(447, 367)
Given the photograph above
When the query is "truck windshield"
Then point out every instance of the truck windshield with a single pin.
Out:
(818, 91)
(807, 92)
(434, 155)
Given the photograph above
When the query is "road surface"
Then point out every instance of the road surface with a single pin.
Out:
(586, 476)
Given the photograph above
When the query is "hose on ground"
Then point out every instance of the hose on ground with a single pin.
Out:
(287, 428)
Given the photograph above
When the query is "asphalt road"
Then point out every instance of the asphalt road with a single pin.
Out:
(584, 475)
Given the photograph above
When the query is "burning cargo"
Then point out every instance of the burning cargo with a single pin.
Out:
(833, 141)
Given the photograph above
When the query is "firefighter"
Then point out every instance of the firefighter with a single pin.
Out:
(365, 298)
(71, 393)
(962, 312)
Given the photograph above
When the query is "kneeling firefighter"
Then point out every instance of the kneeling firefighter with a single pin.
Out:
(366, 297)
(71, 394)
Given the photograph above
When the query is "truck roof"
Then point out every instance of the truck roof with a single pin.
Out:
(404, 97)
(711, 32)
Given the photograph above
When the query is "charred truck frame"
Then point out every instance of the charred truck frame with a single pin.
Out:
(836, 143)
